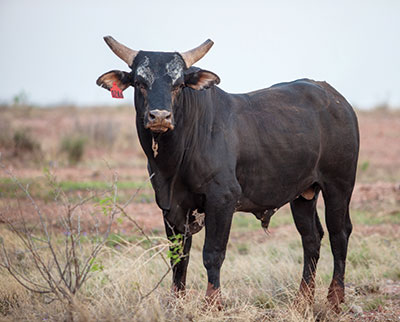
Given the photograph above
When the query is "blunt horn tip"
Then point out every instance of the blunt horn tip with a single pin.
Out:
(192, 56)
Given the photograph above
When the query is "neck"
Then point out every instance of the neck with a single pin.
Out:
(191, 112)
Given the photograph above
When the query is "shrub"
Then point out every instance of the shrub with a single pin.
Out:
(18, 143)
(24, 143)
(74, 148)
(43, 263)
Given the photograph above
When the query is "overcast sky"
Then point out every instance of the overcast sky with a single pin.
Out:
(54, 51)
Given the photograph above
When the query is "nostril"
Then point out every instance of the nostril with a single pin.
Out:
(159, 116)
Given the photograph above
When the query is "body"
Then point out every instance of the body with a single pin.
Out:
(216, 153)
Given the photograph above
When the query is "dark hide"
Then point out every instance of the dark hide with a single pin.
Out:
(249, 152)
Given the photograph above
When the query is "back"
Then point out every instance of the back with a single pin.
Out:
(291, 130)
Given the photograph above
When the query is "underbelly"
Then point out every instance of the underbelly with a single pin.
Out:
(267, 197)
(247, 205)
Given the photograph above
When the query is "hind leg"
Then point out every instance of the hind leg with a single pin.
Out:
(307, 223)
(337, 199)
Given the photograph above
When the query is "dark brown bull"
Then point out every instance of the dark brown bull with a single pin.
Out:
(216, 153)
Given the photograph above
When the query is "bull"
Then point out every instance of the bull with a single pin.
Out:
(216, 153)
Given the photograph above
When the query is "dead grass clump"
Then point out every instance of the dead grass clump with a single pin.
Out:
(11, 294)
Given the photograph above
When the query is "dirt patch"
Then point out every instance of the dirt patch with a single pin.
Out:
(378, 196)
(147, 215)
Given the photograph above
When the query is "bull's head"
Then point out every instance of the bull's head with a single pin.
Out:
(158, 79)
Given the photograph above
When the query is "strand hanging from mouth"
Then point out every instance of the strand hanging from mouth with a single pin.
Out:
(154, 147)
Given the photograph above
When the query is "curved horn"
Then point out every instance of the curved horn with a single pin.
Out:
(123, 52)
(194, 55)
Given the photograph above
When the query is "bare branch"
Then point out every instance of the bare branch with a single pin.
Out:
(158, 284)
(121, 209)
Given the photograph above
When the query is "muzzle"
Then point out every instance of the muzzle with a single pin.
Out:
(159, 121)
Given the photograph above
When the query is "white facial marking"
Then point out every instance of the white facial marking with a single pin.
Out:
(144, 71)
(174, 68)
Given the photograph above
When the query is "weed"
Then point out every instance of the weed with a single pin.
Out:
(374, 304)
(115, 240)
(243, 248)
(96, 265)
(176, 249)
(359, 256)
(364, 166)
(20, 99)
(264, 301)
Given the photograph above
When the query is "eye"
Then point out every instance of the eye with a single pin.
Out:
(141, 86)
(177, 87)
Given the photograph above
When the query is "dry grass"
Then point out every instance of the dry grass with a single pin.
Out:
(258, 285)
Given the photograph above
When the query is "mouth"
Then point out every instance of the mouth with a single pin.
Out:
(159, 127)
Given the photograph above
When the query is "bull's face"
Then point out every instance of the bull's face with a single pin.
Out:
(158, 79)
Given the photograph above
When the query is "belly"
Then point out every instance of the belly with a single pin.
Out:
(271, 182)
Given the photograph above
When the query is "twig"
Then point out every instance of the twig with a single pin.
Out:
(157, 285)
(121, 209)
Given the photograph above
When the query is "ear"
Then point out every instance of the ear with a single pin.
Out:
(200, 79)
(120, 78)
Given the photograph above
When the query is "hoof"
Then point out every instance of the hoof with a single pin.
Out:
(335, 296)
(213, 298)
(305, 294)
(178, 292)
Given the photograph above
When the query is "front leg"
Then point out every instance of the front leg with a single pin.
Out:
(218, 221)
(179, 269)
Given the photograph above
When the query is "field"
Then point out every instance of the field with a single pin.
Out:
(53, 159)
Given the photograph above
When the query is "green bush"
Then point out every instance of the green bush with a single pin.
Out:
(74, 148)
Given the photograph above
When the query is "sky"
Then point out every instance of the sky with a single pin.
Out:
(53, 51)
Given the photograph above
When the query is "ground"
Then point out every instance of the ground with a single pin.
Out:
(33, 144)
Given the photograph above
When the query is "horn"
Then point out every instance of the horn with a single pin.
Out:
(123, 52)
(192, 56)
